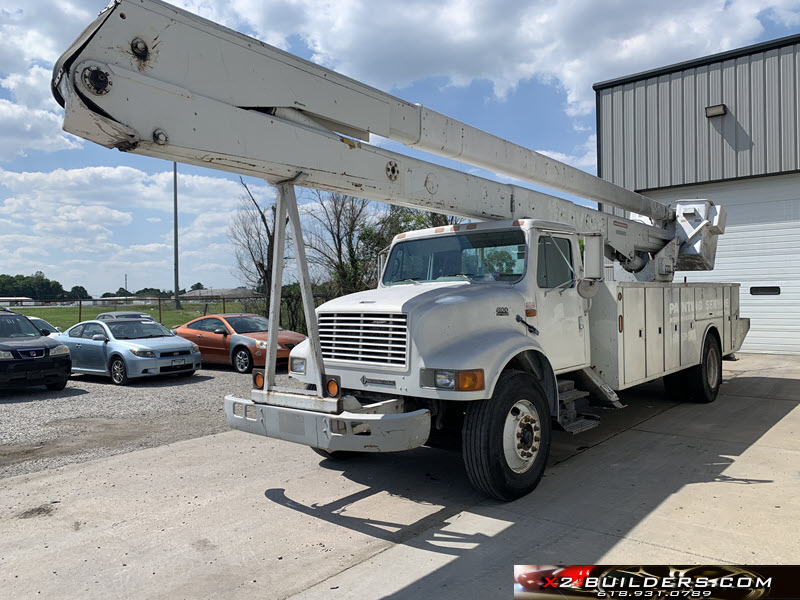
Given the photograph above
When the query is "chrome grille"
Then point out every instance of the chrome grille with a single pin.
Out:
(376, 338)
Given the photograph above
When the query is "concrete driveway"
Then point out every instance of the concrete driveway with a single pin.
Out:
(238, 516)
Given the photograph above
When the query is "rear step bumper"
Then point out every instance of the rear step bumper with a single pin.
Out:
(333, 432)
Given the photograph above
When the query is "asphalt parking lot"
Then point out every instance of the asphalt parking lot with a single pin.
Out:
(230, 515)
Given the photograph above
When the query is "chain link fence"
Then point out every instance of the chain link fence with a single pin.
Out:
(65, 314)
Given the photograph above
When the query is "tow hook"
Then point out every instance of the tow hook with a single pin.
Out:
(531, 328)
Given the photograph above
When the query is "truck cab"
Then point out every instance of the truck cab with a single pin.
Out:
(463, 298)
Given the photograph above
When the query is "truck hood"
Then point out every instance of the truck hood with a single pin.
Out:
(471, 300)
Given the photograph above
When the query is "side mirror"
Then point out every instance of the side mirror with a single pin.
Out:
(221, 331)
(593, 266)
(173, 331)
(99, 337)
(59, 330)
(44, 332)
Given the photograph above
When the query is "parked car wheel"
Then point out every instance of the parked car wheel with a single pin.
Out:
(242, 361)
(57, 385)
(119, 372)
(506, 438)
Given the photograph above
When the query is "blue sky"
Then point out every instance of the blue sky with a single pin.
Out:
(85, 215)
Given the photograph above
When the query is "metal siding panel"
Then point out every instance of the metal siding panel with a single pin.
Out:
(664, 138)
(619, 139)
(758, 114)
(690, 113)
(676, 134)
(715, 140)
(703, 127)
(606, 136)
(772, 110)
(728, 122)
(744, 141)
(759, 248)
(788, 94)
(797, 103)
(641, 148)
(652, 133)
(628, 132)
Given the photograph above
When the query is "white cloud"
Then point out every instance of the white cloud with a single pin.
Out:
(570, 43)
(23, 128)
(585, 156)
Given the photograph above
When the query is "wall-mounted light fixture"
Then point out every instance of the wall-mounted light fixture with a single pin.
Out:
(716, 111)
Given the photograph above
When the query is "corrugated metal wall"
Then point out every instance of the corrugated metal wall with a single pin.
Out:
(654, 133)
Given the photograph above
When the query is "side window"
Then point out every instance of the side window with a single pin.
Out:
(197, 325)
(552, 270)
(76, 331)
(92, 329)
(212, 324)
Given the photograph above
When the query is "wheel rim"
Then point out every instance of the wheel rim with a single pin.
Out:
(522, 436)
(712, 368)
(242, 360)
(117, 371)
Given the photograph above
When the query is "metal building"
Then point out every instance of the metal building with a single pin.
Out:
(725, 127)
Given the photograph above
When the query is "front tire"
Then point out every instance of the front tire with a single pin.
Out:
(119, 372)
(242, 360)
(506, 439)
(57, 385)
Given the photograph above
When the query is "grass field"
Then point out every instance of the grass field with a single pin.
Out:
(67, 316)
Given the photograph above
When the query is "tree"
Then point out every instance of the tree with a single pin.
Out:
(334, 240)
(35, 286)
(252, 233)
(197, 286)
(123, 292)
(78, 291)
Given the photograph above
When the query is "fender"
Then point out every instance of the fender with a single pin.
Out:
(237, 339)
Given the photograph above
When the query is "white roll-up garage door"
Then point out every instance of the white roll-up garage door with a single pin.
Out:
(760, 250)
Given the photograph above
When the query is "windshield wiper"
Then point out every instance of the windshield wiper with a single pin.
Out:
(408, 279)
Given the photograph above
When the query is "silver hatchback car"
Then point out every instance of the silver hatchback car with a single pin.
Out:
(127, 348)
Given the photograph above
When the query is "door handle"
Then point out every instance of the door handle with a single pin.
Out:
(77, 345)
(199, 335)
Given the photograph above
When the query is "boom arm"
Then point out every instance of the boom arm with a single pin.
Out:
(151, 79)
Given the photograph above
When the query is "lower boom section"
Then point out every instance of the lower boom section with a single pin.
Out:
(351, 431)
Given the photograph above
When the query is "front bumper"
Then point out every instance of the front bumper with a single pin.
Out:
(31, 372)
(144, 367)
(349, 431)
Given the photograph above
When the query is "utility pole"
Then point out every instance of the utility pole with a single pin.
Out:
(175, 216)
(126, 282)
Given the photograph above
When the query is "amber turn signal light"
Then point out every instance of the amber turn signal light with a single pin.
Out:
(470, 381)
(332, 387)
(258, 379)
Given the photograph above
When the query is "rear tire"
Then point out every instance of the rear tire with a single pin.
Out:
(700, 383)
(506, 439)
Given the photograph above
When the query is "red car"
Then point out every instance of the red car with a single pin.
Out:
(238, 339)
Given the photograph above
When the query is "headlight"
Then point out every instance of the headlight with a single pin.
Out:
(265, 344)
(445, 379)
(449, 379)
(59, 350)
(5, 355)
(298, 365)
(143, 353)
(195, 348)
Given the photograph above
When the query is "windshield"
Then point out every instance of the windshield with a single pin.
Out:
(137, 331)
(490, 256)
(17, 327)
(248, 324)
(42, 324)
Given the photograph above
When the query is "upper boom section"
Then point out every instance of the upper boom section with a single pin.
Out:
(240, 71)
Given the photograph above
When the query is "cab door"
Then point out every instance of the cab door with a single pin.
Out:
(560, 318)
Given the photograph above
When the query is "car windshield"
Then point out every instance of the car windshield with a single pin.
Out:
(248, 324)
(42, 324)
(138, 330)
(17, 327)
(484, 257)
